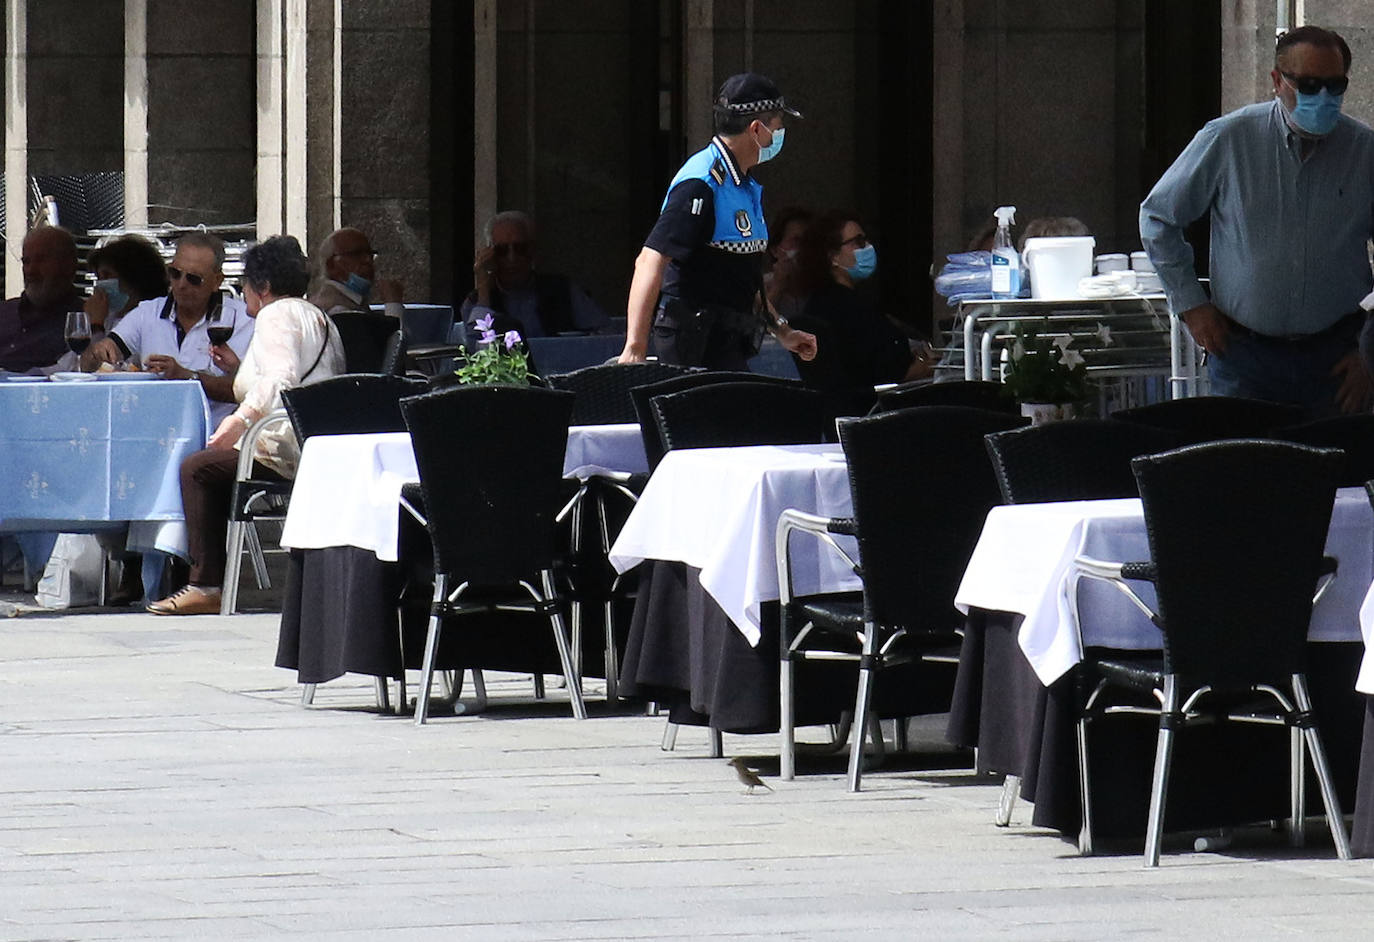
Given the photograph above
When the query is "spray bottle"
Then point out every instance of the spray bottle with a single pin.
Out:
(1006, 264)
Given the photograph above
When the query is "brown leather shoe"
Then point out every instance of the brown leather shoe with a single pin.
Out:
(191, 600)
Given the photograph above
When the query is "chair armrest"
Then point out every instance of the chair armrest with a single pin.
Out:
(249, 443)
(1116, 574)
(432, 351)
(814, 524)
(845, 525)
(1325, 576)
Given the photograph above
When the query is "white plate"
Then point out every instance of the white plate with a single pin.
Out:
(73, 377)
(125, 376)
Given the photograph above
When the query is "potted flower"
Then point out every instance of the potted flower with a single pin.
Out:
(1045, 373)
(498, 359)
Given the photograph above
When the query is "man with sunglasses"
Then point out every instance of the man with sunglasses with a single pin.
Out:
(507, 286)
(349, 266)
(170, 335)
(698, 280)
(1290, 188)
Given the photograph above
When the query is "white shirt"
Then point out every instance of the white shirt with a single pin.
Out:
(151, 328)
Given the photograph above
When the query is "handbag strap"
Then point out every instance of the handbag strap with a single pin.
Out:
(323, 347)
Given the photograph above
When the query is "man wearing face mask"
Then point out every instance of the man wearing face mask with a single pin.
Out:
(350, 276)
(1290, 187)
(705, 253)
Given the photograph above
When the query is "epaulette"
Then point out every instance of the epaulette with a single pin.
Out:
(718, 172)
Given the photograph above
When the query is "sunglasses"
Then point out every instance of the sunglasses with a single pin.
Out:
(1308, 85)
(502, 249)
(176, 274)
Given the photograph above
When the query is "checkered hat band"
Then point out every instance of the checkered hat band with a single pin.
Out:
(751, 107)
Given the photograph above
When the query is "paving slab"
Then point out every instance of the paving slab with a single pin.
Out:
(159, 779)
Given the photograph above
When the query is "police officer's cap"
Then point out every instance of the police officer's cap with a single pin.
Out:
(751, 93)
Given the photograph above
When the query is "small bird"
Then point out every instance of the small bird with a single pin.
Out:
(748, 776)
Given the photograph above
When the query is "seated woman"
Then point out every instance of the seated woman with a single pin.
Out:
(857, 347)
(128, 270)
(293, 345)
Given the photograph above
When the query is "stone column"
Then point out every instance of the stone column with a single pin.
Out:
(135, 112)
(1247, 51)
(16, 140)
(271, 211)
(484, 74)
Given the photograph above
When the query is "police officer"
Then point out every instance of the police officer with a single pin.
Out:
(706, 251)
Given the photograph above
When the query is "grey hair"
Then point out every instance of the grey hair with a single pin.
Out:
(515, 216)
(205, 240)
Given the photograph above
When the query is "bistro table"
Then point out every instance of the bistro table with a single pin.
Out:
(704, 635)
(76, 456)
(1015, 692)
(346, 532)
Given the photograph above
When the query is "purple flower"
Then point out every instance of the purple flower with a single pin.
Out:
(488, 336)
(484, 324)
(512, 338)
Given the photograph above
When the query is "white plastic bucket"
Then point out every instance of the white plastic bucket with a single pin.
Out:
(1057, 263)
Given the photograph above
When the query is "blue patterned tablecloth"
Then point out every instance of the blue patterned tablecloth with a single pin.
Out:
(73, 454)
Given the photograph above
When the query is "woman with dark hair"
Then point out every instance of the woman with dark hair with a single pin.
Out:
(127, 270)
(784, 241)
(293, 344)
(857, 347)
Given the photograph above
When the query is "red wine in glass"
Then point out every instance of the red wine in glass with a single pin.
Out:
(219, 336)
(77, 332)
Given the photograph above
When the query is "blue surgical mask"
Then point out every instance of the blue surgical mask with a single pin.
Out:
(865, 263)
(358, 285)
(113, 293)
(1317, 114)
(771, 151)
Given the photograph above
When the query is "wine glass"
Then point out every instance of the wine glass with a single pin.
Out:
(78, 331)
(219, 336)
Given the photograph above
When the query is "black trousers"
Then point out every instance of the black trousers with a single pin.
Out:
(685, 337)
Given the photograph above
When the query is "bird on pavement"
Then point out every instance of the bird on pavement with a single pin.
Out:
(748, 776)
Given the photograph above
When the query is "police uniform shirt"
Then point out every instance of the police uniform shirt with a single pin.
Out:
(712, 229)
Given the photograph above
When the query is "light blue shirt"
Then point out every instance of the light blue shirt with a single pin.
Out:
(1288, 249)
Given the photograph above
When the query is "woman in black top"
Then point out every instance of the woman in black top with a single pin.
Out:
(857, 347)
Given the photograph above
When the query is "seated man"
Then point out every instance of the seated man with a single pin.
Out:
(348, 264)
(32, 325)
(537, 304)
(171, 335)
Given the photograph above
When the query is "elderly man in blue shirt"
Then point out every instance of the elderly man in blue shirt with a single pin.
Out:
(1290, 188)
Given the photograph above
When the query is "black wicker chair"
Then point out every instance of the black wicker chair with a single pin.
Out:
(1352, 434)
(603, 398)
(1214, 418)
(1086, 459)
(644, 413)
(337, 406)
(725, 414)
(368, 339)
(497, 532)
(922, 486)
(973, 394)
(1234, 620)
(603, 392)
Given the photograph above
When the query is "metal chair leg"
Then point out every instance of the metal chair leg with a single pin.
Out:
(539, 687)
(307, 694)
(1159, 790)
(1297, 790)
(256, 555)
(479, 689)
(401, 692)
(862, 703)
(1085, 800)
(1334, 820)
(717, 743)
(787, 751)
(900, 734)
(233, 565)
(1011, 785)
(383, 695)
(560, 639)
(431, 649)
(608, 613)
(669, 742)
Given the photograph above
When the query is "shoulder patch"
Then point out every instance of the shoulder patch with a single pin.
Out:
(718, 172)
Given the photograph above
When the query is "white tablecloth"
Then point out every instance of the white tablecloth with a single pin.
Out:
(1025, 554)
(348, 486)
(716, 509)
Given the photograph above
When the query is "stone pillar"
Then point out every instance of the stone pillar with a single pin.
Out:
(699, 81)
(16, 141)
(1351, 19)
(484, 98)
(135, 112)
(271, 209)
(385, 120)
(201, 111)
(1247, 51)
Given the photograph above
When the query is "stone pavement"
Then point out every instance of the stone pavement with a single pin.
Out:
(159, 780)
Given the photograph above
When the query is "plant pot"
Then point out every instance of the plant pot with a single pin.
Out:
(1041, 412)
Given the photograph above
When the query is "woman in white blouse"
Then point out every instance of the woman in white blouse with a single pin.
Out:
(294, 344)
